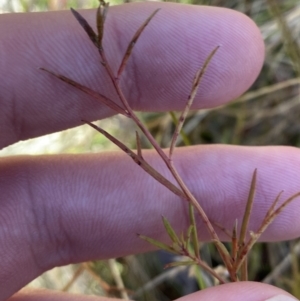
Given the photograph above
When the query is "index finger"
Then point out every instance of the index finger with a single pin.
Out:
(158, 75)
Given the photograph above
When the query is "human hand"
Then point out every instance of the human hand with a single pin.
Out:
(64, 209)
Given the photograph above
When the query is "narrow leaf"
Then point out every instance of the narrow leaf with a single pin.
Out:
(194, 230)
(138, 144)
(179, 263)
(248, 209)
(195, 86)
(271, 210)
(171, 231)
(85, 25)
(234, 242)
(103, 99)
(101, 16)
(282, 206)
(157, 244)
(100, 25)
(105, 10)
(245, 222)
(140, 161)
(182, 239)
(188, 236)
(133, 42)
(224, 252)
(269, 218)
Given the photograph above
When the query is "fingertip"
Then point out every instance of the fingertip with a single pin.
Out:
(246, 291)
(176, 44)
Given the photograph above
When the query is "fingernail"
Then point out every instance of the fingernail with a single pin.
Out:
(281, 298)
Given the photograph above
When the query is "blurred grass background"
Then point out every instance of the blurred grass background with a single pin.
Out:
(267, 114)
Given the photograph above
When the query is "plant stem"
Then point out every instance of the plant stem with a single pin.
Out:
(168, 162)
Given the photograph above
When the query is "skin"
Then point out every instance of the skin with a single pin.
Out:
(63, 209)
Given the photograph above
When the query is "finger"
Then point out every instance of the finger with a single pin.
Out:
(247, 291)
(57, 210)
(158, 76)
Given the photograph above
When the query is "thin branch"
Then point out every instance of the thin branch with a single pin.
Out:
(195, 86)
(215, 238)
(269, 218)
(139, 161)
(183, 135)
(133, 42)
(272, 208)
(187, 194)
(103, 99)
(238, 258)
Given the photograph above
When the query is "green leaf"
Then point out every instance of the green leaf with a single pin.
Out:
(179, 263)
(170, 231)
(188, 235)
(226, 256)
(158, 244)
(194, 231)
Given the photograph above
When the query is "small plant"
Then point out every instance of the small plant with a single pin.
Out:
(185, 244)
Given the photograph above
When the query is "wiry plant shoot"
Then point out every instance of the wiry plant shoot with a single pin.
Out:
(186, 244)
